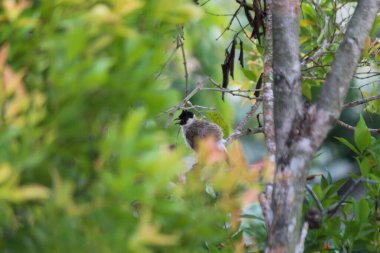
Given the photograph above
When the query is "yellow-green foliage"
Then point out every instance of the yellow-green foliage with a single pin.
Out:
(84, 165)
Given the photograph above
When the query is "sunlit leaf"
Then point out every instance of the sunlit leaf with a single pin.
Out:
(362, 135)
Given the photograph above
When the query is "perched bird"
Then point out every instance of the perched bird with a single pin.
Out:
(195, 130)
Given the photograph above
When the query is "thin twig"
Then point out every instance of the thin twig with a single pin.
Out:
(166, 63)
(248, 131)
(238, 130)
(244, 4)
(233, 93)
(369, 181)
(345, 125)
(182, 103)
(236, 92)
(362, 101)
(230, 23)
(180, 42)
(325, 43)
(200, 107)
(204, 3)
(334, 208)
(316, 200)
(366, 77)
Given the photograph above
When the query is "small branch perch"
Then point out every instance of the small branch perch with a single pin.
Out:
(345, 125)
(182, 103)
(180, 44)
(360, 102)
(238, 132)
(333, 209)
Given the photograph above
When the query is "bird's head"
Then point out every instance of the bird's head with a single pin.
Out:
(184, 117)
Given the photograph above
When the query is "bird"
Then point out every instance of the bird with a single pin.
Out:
(194, 130)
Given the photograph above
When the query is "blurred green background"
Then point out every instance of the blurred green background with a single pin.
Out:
(86, 164)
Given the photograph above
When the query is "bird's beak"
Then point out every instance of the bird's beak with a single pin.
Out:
(178, 120)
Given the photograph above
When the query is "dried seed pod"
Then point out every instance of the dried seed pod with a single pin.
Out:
(241, 54)
(231, 60)
(225, 70)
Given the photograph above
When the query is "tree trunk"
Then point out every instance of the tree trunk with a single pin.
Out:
(300, 129)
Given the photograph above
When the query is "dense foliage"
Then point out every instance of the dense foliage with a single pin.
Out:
(86, 164)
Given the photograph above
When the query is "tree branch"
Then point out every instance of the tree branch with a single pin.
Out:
(345, 125)
(238, 132)
(362, 101)
(235, 92)
(316, 200)
(268, 83)
(333, 209)
(334, 91)
(182, 103)
(180, 43)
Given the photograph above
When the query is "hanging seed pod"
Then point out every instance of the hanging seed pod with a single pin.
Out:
(241, 54)
(231, 61)
(225, 70)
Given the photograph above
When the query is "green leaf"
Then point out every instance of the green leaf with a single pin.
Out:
(375, 26)
(362, 135)
(318, 191)
(348, 144)
(324, 182)
(365, 166)
(217, 118)
(249, 74)
(362, 211)
(306, 90)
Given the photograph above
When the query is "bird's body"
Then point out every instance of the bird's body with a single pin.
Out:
(194, 130)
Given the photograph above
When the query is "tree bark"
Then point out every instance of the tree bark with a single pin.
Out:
(268, 84)
(300, 129)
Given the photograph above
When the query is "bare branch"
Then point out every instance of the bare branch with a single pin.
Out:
(362, 101)
(238, 134)
(334, 208)
(182, 103)
(180, 43)
(242, 3)
(230, 23)
(239, 129)
(345, 125)
(235, 92)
